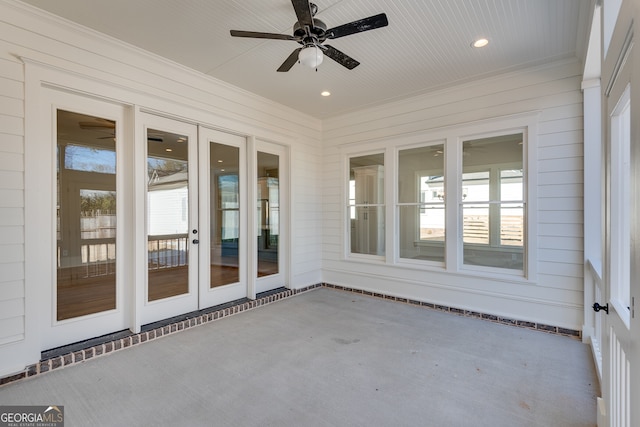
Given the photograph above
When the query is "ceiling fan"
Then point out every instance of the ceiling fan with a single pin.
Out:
(311, 33)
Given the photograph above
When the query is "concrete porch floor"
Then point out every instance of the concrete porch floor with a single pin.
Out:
(329, 358)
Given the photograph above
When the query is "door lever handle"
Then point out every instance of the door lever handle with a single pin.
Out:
(597, 307)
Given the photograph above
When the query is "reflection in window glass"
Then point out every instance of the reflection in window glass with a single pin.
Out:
(366, 204)
(493, 204)
(268, 170)
(167, 214)
(97, 214)
(224, 167)
(89, 159)
(86, 215)
(421, 203)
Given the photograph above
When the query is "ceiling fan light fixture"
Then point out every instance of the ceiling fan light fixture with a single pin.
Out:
(311, 56)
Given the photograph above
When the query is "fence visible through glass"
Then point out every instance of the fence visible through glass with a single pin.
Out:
(85, 215)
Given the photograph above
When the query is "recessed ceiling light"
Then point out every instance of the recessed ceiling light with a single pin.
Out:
(325, 93)
(480, 43)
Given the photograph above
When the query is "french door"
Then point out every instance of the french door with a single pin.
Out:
(146, 217)
(170, 285)
(195, 221)
(223, 213)
(270, 169)
(84, 194)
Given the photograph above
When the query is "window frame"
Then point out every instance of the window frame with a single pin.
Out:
(383, 206)
(494, 169)
(452, 137)
(398, 205)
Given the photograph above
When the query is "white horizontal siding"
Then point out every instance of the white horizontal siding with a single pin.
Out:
(12, 301)
(13, 330)
(146, 80)
(553, 91)
(11, 161)
(11, 290)
(561, 177)
(11, 143)
(11, 198)
(560, 255)
(11, 253)
(560, 138)
(306, 220)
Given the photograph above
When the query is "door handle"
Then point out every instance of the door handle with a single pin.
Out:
(195, 241)
(597, 307)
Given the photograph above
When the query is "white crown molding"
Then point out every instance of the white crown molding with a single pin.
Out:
(51, 26)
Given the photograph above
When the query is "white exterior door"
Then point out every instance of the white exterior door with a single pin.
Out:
(144, 217)
(171, 243)
(83, 185)
(269, 267)
(621, 328)
(223, 217)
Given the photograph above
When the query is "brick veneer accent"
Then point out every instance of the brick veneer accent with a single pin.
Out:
(466, 313)
(83, 355)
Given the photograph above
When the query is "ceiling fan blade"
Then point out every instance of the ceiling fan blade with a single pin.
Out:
(303, 12)
(366, 24)
(290, 61)
(340, 57)
(101, 124)
(258, 35)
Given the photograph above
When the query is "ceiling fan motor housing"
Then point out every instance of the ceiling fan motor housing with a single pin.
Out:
(312, 35)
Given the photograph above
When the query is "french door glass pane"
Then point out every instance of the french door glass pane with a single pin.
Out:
(86, 215)
(167, 214)
(225, 214)
(268, 213)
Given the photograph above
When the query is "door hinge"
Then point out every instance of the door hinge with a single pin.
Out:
(633, 307)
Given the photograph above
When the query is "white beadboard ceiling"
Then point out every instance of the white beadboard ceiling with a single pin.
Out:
(426, 46)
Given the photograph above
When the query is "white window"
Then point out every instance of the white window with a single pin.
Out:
(421, 205)
(492, 202)
(460, 203)
(366, 204)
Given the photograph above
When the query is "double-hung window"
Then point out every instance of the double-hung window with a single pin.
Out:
(492, 202)
(460, 203)
(366, 204)
(421, 205)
